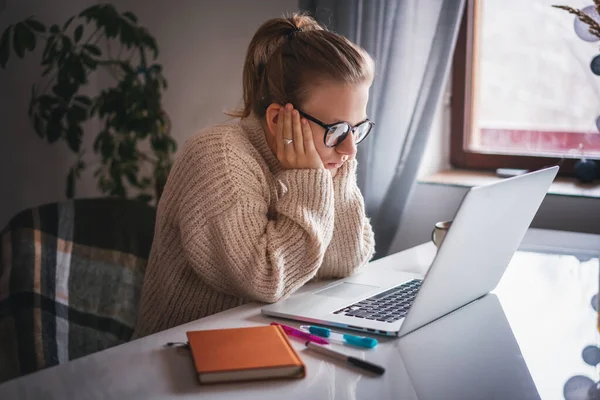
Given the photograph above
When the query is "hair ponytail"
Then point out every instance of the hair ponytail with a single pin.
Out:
(287, 54)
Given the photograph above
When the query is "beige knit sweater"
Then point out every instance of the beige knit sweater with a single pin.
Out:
(233, 227)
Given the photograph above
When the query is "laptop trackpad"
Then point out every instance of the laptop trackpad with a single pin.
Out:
(346, 290)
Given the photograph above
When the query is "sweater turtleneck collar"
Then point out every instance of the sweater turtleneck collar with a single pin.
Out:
(257, 135)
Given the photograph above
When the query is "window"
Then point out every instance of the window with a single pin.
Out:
(523, 92)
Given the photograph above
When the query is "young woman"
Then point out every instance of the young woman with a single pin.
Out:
(255, 209)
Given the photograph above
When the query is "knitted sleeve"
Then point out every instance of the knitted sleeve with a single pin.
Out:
(353, 244)
(252, 254)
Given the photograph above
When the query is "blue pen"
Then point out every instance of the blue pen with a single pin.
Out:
(360, 341)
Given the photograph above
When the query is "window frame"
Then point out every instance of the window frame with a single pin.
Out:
(461, 110)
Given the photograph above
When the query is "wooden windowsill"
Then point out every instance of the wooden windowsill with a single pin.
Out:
(467, 178)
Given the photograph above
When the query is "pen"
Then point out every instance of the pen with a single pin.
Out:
(360, 341)
(325, 350)
(300, 334)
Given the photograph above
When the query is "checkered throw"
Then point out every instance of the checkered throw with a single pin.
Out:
(70, 279)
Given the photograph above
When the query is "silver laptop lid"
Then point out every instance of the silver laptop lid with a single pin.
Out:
(486, 231)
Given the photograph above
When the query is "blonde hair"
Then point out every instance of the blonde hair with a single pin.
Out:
(287, 55)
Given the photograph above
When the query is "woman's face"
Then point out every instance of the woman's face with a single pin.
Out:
(331, 103)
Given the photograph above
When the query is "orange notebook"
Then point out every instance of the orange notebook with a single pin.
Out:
(244, 354)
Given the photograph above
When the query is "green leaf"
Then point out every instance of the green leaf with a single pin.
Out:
(66, 25)
(127, 150)
(156, 68)
(147, 40)
(5, 47)
(98, 141)
(38, 125)
(28, 38)
(151, 42)
(107, 147)
(108, 18)
(84, 100)
(89, 61)
(47, 47)
(54, 29)
(159, 144)
(111, 29)
(74, 134)
(67, 44)
(47, 101)
(54, 127)
(90, 12)
(92, 49)
(80, 165)
(127, 68)
(51, 53)
(78, 33)
(47, 70)
(127, 34)
(146, 198)
(78, 72)
(132, 178)
(35, 25)
(62, 90)
(111, 101)
(70, 192)
(32, 96)
(18, 40)
(119, 190)
(172, 144)
(115, 172)
(77, 114)
(49, 43)
(130, 16)
(109, 10)
(103, 183)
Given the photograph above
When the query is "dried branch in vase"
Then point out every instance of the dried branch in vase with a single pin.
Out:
(594, 26)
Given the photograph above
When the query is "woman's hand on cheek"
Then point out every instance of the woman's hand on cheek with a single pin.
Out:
(294, 141)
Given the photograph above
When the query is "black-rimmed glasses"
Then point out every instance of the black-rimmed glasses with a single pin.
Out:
(337, 132)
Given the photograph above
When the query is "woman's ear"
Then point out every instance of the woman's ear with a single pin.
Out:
(271, 117)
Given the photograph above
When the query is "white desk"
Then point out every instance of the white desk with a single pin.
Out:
(526, 348)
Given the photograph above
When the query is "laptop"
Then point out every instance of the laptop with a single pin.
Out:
(485, 233)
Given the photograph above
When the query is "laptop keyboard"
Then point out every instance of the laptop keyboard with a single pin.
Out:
(388, 306)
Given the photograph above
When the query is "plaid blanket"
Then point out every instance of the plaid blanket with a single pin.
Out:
(70, 279)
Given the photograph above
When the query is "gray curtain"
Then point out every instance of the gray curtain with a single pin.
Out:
(412, 42)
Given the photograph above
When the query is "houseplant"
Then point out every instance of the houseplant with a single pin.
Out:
(129, 112)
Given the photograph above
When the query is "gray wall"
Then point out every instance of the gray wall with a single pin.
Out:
(202, 45)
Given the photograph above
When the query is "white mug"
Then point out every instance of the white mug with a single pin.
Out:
(439, 232)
